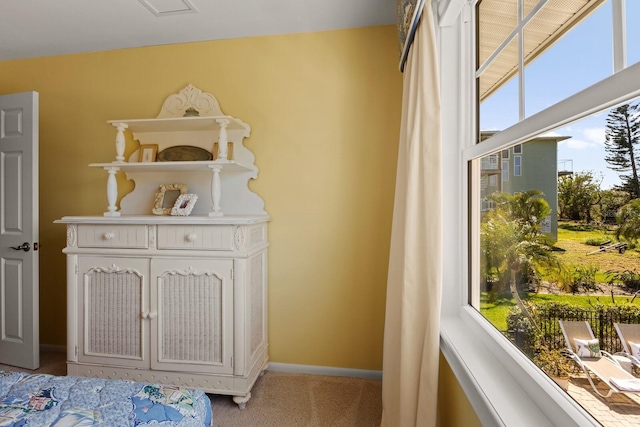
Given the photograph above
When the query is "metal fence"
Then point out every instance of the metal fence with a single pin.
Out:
(601, 322)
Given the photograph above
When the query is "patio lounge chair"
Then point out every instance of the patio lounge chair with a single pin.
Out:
(630, 336)
(584, 349)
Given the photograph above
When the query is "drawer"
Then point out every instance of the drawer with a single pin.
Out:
(196, 237)
(113, 236)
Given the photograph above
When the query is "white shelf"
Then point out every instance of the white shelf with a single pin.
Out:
(219, 182)
(181, 124)
(189, 166)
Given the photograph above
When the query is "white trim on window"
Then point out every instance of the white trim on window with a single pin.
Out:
(505, 170)
(619, 35)
(612, 91)
(517, 165)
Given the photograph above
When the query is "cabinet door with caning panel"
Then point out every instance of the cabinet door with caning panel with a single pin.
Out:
(192, 315)
(113, 302)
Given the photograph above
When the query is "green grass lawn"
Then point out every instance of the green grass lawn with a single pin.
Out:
(577, 252)
(572, 238)
(497, 311)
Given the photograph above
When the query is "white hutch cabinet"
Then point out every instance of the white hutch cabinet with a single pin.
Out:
(177, 300)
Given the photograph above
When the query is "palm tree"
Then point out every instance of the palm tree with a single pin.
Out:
(628, 218)
(528, 207)
(510, 235)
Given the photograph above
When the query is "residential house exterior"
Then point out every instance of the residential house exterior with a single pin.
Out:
(529, 166)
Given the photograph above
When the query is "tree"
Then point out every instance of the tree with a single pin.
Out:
(610, 202)
(628, 219)
(511, 240)
(577, 194)
(622, 136)
(527, 207)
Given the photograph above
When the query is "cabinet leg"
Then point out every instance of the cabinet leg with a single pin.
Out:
(264, 369)
(241, 401)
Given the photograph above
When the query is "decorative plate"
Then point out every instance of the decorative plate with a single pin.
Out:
(184, 153)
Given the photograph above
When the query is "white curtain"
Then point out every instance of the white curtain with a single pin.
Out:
(414, 285)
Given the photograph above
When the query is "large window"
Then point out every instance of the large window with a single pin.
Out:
(551, 79)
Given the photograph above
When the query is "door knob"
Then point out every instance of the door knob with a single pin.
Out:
(25, 247)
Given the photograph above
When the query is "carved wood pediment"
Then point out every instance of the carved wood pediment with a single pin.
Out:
(204, 103)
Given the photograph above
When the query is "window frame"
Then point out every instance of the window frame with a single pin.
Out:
(503, 386)
(504, 170)
(517, 165)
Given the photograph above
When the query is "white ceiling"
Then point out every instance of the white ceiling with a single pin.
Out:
(32, 28)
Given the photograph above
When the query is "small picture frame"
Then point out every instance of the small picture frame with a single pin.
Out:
(184, 204)
(166, 198)
(148, 153)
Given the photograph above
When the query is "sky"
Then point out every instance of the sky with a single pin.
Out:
(581, 58)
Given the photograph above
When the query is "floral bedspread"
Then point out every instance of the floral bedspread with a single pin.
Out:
(46, 400)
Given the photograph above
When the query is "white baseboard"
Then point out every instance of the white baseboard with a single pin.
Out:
(279, 367)
(324, 370)
(53, 348)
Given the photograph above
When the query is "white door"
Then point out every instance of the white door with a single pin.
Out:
(19, 333)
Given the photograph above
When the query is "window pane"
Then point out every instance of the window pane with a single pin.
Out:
(499, 108)
(496, 20)
(505, 170)
(566, 47)
(580, 58)
(544, 225)
(633, 31)
(542, 229)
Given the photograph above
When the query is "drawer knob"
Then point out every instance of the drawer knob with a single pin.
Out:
(191, 237)
(108, 235)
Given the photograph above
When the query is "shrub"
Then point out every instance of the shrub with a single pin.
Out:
(585, 276)
(629, 278)
(596, 242)
(576, 227)
(573, 277)
(525, 334)
(553, 362)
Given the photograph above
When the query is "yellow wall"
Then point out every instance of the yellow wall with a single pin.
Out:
(454, 409)
(324, 109)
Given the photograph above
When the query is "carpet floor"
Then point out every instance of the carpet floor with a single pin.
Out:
(282, 399)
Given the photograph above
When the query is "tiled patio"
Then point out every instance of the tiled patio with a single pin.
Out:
(618, 410)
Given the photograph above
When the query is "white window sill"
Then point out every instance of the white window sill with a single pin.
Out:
(503, 385)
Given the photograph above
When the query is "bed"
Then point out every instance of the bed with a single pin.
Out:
(59, 401)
